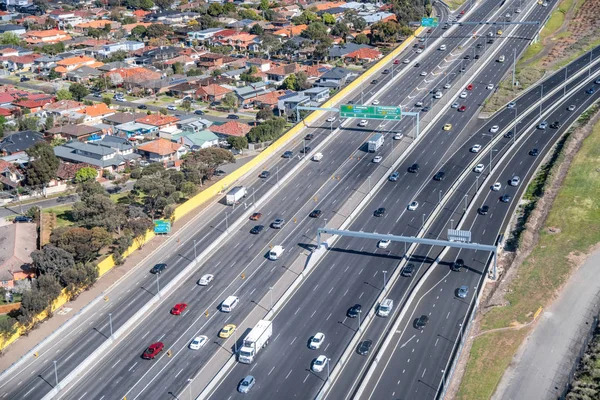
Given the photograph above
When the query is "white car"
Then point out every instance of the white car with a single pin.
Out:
(377, 159)
(406, 61)
(515, 181)
(424, 73)
(319, 363)
(437, 95)
(447, 86)
(413, 206)
(375, 102)
(572, 107)
(463, 95)
(171, 108)
(479, 168)
(490, 86)
(316, 341)
(398, 136)
(419, 104)
(419, 51)
(494, 129)
(206, 279)
(475, 148)
(330, 119)
(496, 186)
(518, 11)
(545, 4)
(383, 244)
(198, 342)
(363, 123)
(455, 105)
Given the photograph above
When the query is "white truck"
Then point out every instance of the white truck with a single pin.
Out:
(318, 157)
(275, 252)
(375, 142)
(235, 195)
(257, 339)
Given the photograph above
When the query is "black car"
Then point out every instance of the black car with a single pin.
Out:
(24, 79)
(413, 168)
(354, 311)
(425, 109)
(490, 41)
(508, 134)
(264, 174)
(143, 107)
(483, 210)
(309, 136)
(199, 112)
(467, 57)
(555, 125)
(380, 212)
(457, 265)
(421, 322)
(158, 268)
(386, 71)
(417, 65)
(288, 154)
(534, 152)
(505, 198)
(374, 82)
(305, 150)
(233, 116)
(22, 218)
(439, 176)
(476, 56)
(220, 172)
(408, 270)
(257, 229)
(316, 214)
(479, 45)
(364, 347)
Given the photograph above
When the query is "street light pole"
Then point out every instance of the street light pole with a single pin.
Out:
(384, 279)
(271, 294)
(190, 386)
(195, 255)
(226, 223)
(110, 322)
(451, 224)
(157, 285)
(440, 196)
(466, 198)
(328, 361)
(55, 373)
(359, 320)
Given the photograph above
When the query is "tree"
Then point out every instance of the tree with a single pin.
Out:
(257, 30)
(246, 13)
(215, 10)
(158, 30)
(49, 123)
(328, 19)
(270, 43)
(84, 244)
(340, 29)
(264, 114)
(161, 110)
(238, 142)
(178, 68)
(86, 174)
(10, 38)
(267, 131)
(361, 38)
(52, 75)
(43, 165)
(98, 210)
(78, 91)
(186, 105)
(81, 276)
(139, 31)
(2, 126)
(290, 82)
(315, 31)
(28, 123)
(107, 100)
(51, 260)
(64, 94)
(164, 4)
(264, 5)
(146, 4)
(302, 81)
(230, 101)
(7, 328)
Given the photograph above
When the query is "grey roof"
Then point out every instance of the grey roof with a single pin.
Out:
(22, 51)
(235, 72)
(337, 51)
(124, 117)
(84, 71)
(11, 27)
(92, 153)
(116, 142)
(114, 65)
(314, 90)
(20, 141)
(336, 73)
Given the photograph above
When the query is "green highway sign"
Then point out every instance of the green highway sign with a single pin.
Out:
(370, 112)
(429, 22)
(162, 226)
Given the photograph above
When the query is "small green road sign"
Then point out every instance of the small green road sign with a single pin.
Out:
(429, 22)
(370, 112)
(162, 226)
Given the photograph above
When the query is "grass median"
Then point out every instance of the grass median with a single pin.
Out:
(566, 236)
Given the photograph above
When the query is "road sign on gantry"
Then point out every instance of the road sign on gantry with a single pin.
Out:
(430, 22)
(370, 112)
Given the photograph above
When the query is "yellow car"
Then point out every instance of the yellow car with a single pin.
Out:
(227, 331)
(540, 2)
(447, 127)
(499, 32)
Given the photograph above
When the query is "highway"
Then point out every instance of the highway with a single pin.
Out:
(320, 307)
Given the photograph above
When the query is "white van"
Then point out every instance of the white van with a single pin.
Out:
(385, 308)
(229, 303)
(275, 252)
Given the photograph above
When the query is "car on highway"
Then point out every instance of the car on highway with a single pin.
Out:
(158, 268)
(309, 136)
(198, 342)
(288, 154)
(406, 61)
(425, 109)
(439, 176)
(457, 265)
(419, 51)
(178, 309)
(153, 350)
(246, 384)
(483, 210)
(455, 105)
(515, 181)
(374, 82)
(375, 102)
(470, 86)
(512, 104)
(542, 125)
(363, 123)
(227, 331)
(463, 95)
(257, 229)
(479, 168)
(278, 223)
(467, 57)
(256, 216)
(572, 107)
(447, 86)
(364, 347)
(476, 56)
(590, 90)
(417, 65)
(377, 159)
(490, 41)
(534, 152)
(475, 148)
(264, 174)
(319, 363)
(380, 212)
(518, 11)
(508, 134)
(316, 214)
(462, 291)
(172, 108)
(394, 176)
(421, 322)
(597, 81)
(398, 135)
(447, 127)
(505, 198)
(496, 186)
(354, 311)
(499, 32)
(316, 341)
(437, 95)
(544, 4)
(413, 168)
(494, 129)
(490, 86)
(206, 279)
(555, 125)
(305, 150)
(424, 73)
(142, 107)
(413, 205)
(330, 119)
(386, 71)
(408, 270)
(462, 108)
(383, 244)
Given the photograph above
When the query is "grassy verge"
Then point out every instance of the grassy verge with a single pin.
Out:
(574, 217)
(455, 4)
(63, 215)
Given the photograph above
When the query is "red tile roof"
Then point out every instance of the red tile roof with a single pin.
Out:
(160, 146)
(365, 54)
(157, 120)
(231, 128)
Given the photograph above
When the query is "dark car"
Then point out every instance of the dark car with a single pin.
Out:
(555, 125)
(534, 152)
(153, 350)
(457, 265)
(22, 218)
(425, 109)
(143, 107)
(316, 214)
(305, 150)
(309, 136)
(364, 347)
(421, 322)
(354, 311)
(467, 57)
(257, 229)
(408, 270)
(505, 198)
(199, 112)
(476, 56)
(386, 71)
(413, 168)
(374, 82)
(590, 90)
(483, 210)
(288, 154)
(490, 41)
(158, 268)
(233, 116)
(417, 65)
(380, 212)
(264, 174)
(24, 79)
(479, 45)
(220, 172)
(439, 176)
(508, 134)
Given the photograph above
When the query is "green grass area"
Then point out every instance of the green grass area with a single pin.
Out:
(4, 316)
(455, 4)
(574, 217)
(16, 299)
(63, 215)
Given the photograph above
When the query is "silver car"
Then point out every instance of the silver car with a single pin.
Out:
(463, 291)
(246, 384)
(278, 223)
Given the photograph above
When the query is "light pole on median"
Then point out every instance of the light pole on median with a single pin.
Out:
(110, 323)
(157, 285)
(359, 311)
(195, 255)
(384, 279)
(491, 158)
(541, 98)
(466, 199)
(271, 295)
(55, 373)
(190, 386)
(516, 122)
(423, 221)
(226, 223)
(440, 196)
(328, 361)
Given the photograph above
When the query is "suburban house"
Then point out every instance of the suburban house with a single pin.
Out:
(246, 94)
(364, 55)
(122, 117)
(67, 171)
(75, 132)
(162, 150)
(20, 141)
(286, 105)
(211, 93)
(12, 28)
(335, 78)
(196, 140)
(72, 63)
(132, 128)
(95, 113)
(10, 176)
(230, 128)
(203, 34)
(317, 94)
(17, 241)
(158, 120)
(101, 155)
(49, 36)
(194, 124)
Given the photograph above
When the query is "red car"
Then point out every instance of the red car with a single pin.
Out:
(396, 62)
(462, 12)
(178, 309)
(470, 86)
(255, 216)
(153, 350)
(462, 108)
